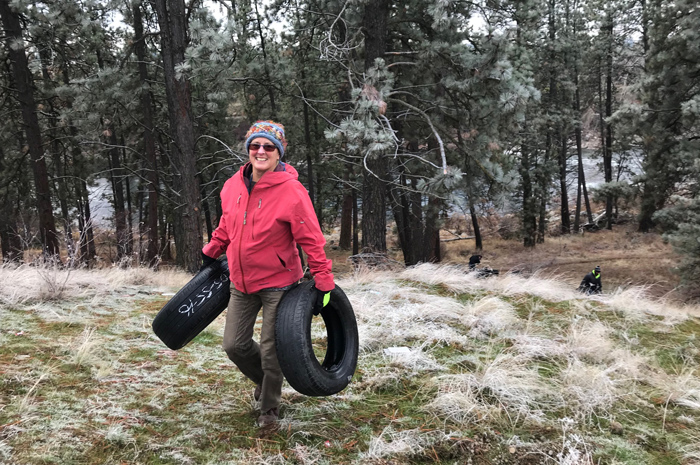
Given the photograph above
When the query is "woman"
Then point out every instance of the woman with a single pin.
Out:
(266, 212)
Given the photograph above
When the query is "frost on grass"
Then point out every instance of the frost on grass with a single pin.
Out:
(636, 305)
(390, 316)
(415, 360)
(489, 316)
(518, 385)
(116, 433)
(590, 340)
(453, 278)
(306, 455)
(376, 378)
(84, 347)
(50, 282)
(508, 383)
(457, 401)
(5, 450)
(485, 368)
(691, 452)
(681, 389)
(575, 450)
(392, 443)
(546, 287)
(593, 389)
(537, 346)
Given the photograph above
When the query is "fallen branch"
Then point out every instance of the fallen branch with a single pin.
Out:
(460, 238)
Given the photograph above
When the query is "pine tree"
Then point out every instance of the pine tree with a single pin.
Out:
(667, 119)
(23, 82)
(173, 21)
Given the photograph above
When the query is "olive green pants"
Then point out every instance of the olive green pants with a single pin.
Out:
(256, 361)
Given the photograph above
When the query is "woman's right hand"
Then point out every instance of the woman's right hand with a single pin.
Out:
(206, 261)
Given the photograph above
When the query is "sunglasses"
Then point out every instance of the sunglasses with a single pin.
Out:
(267, 147)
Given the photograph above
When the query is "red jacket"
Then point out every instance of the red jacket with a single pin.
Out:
(260, 231)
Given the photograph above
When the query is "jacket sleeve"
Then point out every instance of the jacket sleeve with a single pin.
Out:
(219, 240)
(307, 233)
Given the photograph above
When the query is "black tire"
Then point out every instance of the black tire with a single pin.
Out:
(294, 345)
(195, 306)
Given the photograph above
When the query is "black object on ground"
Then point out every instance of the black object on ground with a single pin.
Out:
(485, 272)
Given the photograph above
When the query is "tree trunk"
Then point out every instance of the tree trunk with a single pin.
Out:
(577, 215)
(270, 89)
(579, 152)
(116, 175)
(657, 187)
(86, 241)
(565, 221)
(553, 127)
(432, 231)
(188, 228)
(376, 15)
(543, 184)
(475, 224)
(374, 207)
(645, 30)
(346, 218)
(646, 211)
(309, 158)
(529, 207)
(88, 251)
(408, 216)
(355, 230)
(127, 192)
(25, 96)
(165, 234)
(149, 140)
(607, 160)
(319, 199)
(207, 213)
(346, 213)
(60, 180)
(10, 241)
(529, 229)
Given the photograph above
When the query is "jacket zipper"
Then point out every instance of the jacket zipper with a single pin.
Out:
(240, 242)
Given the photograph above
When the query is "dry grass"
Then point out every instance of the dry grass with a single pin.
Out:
(509, 369)
(627, 258)
(20, 284)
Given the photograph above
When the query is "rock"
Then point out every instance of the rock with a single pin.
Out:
(616, 428)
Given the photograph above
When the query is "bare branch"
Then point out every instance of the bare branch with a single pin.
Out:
(430, 123)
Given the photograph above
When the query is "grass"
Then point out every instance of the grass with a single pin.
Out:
(513, 369)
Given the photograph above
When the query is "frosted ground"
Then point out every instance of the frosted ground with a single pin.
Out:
(509, 369)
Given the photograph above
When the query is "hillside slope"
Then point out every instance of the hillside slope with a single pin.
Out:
(507, 370)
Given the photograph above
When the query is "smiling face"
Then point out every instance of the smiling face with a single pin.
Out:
(262, 160)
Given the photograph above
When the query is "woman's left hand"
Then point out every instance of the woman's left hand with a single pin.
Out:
(322, 299)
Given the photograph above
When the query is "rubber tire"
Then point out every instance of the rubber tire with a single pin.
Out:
(293, 341)
(195, 306)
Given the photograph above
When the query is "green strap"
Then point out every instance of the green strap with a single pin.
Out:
(326, 298)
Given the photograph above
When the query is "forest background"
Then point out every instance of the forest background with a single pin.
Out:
(408, 115)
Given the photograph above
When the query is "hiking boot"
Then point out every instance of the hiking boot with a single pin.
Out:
(269, 417)
(257, 392)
